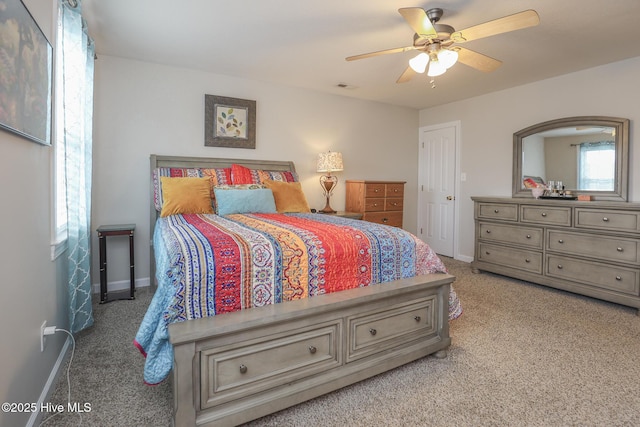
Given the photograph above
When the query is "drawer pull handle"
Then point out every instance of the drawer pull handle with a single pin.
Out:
(487, 252)
(385, 220)
(394, 204)
(496, 211)
(559, 266)
(618, 278)
(417, 318)
(527, 260)
(243, 369)
(620, 249)
(528, 236)
(376, 190)
(544, 214)
(375, 205)
(488, 231)
(373, 331)
(560, 241)
(312, 349)
(395, 190)
(605, 219)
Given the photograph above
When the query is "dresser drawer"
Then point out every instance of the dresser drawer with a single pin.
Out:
(394, 190)
(381, 202)
(394, 204)
(608, 220)
(525, 236)
(241, 369)
(603, 248)
(510, 257)
(374, 190)
(497, 211)
(387, 218)
(389, 328)
(619, 279)
(373, 204)
(546, 215)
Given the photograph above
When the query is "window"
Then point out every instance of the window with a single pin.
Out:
(597, 165)
(60, 191)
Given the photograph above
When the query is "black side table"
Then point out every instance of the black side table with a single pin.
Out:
(115, 230)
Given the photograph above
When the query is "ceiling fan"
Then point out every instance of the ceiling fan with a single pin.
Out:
(437, 43)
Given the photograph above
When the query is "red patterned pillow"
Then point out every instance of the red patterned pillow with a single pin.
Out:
(243, 175)
(218, 176)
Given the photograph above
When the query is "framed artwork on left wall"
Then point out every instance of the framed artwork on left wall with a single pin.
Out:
(229, 122)
(26, 68)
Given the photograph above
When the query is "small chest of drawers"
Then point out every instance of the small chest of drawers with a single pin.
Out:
(590, 248)
(378, 201)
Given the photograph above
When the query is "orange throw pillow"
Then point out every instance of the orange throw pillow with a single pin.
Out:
(185, 195)
(288, 196)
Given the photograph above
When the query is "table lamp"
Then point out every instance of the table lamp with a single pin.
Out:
(329, 162)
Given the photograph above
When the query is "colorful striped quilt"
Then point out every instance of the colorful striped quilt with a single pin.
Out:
(209, 264)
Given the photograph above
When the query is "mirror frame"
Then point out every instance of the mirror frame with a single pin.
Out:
(621, 126)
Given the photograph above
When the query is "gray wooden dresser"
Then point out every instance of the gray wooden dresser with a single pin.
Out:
(590, 248)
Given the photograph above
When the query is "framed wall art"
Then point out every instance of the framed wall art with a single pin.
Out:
(229, 122)
(26, 67)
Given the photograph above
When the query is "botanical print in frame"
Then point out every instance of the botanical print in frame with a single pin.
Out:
(229, 122)
(26, 67)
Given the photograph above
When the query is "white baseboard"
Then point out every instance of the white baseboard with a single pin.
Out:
(121, 285)
(464, 258)
(36, 417)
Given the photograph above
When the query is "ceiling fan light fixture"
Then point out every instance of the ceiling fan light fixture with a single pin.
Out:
(436, 68)
(447, 58)
(419, 62)
(438, 41)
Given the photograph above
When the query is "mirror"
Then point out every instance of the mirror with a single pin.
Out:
(588, 155)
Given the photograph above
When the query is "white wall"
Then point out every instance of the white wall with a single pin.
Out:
(33, 288)
(533, 149)
(143, 108)
(488, 123)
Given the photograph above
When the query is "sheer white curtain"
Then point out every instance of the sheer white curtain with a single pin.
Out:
(75, 65)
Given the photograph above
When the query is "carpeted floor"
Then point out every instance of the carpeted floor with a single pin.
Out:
(522, 355)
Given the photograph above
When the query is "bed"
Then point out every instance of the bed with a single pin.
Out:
(256, 310)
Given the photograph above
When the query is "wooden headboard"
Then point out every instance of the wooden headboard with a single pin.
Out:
(158, 161)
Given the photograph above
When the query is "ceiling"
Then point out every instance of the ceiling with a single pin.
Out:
(304, 43)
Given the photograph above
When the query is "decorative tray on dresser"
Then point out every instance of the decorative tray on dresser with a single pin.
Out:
(378, 201)
(590, 248)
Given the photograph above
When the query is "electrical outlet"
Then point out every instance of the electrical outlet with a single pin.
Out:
(43, 340)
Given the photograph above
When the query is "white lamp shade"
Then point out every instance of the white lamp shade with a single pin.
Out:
(447, 58)
(436, 69)
(419, 62)
(330, 161)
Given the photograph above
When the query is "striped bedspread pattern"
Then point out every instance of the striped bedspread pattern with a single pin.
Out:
(210, 264)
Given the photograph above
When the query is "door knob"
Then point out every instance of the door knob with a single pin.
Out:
(451, 198)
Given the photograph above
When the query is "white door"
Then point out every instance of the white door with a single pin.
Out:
(437, 187)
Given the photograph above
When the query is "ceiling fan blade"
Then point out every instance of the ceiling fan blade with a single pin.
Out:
(380, 52)
(406, 76)
(477, 60)
(419, 21)
(518, 21)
